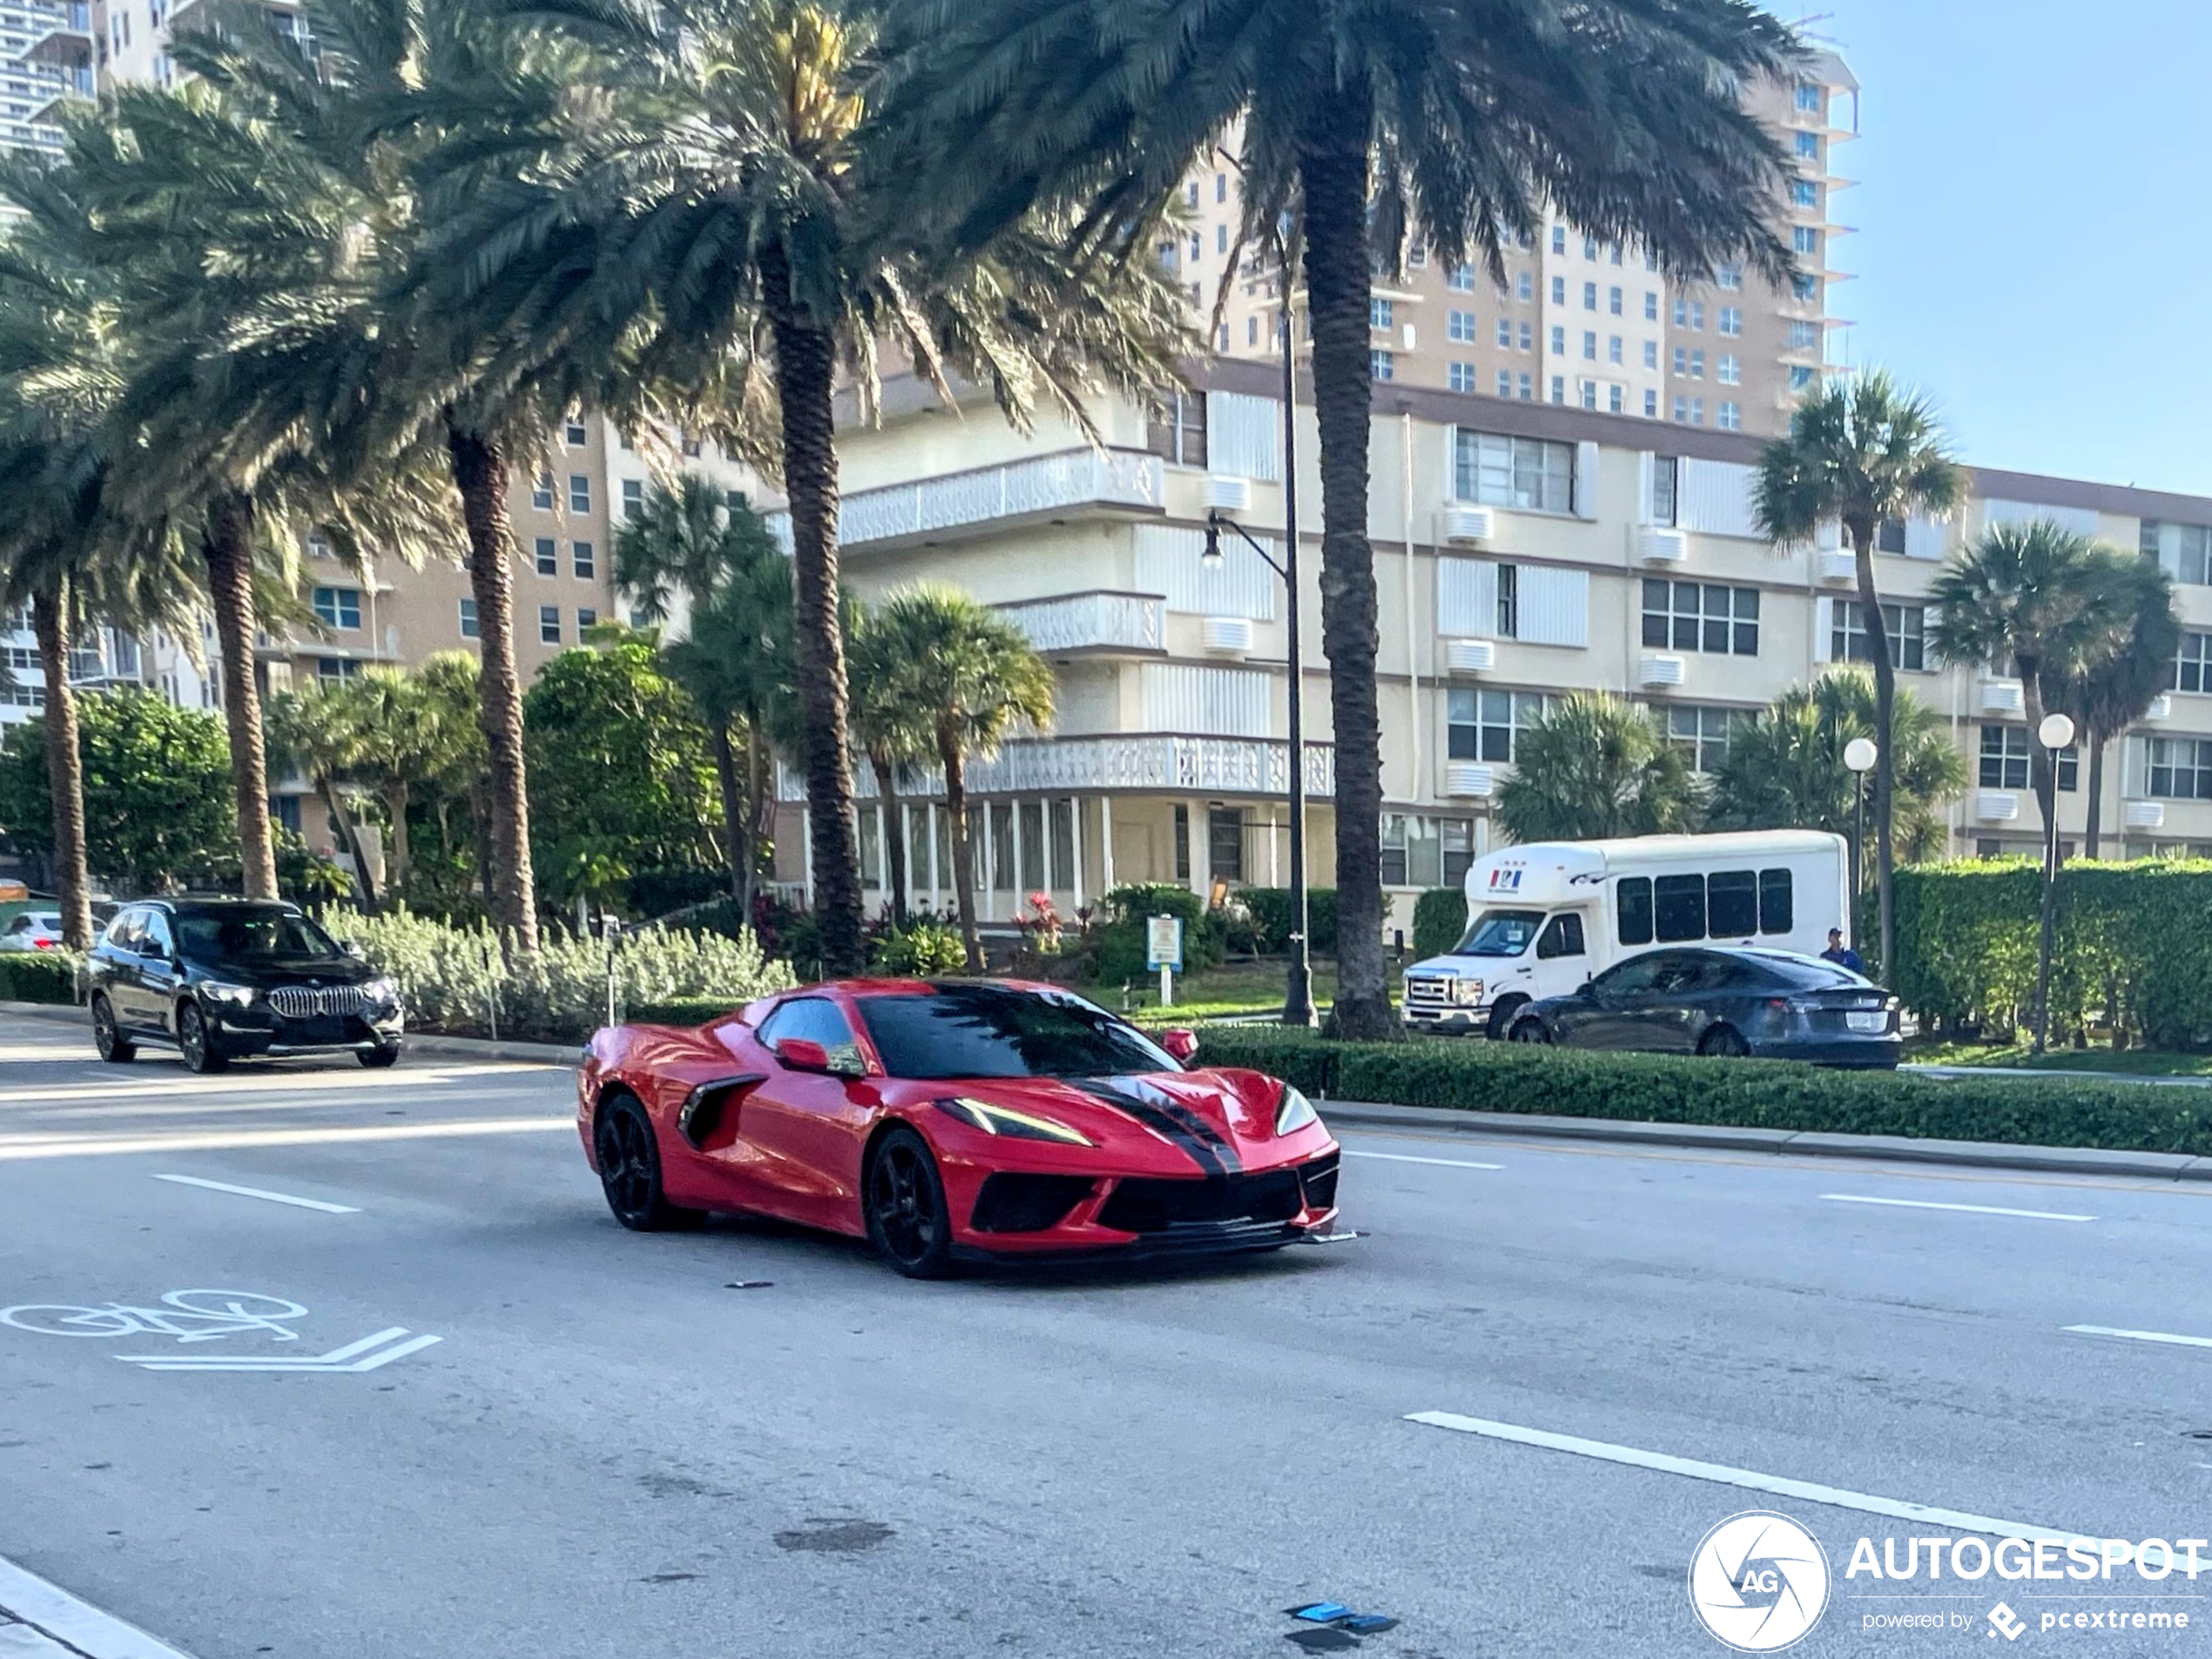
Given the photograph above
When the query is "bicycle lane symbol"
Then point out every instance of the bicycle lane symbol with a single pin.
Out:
(198, 1316)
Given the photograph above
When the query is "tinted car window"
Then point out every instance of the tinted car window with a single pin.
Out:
(811, 1018)
(1562, 937)
(1777, 906)
(267, 935)
(1632, 976)
(159, 940)
(1732, 904)
(1632, 898)
(1678, 974)
(127, 931)
(993, 1031)
(1681, 903)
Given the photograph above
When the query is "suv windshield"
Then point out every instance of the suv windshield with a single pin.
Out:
(267, 935)
(1499, 933)
(995, 1031)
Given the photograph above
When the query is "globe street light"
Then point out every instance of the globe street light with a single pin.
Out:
(1860, 754)
(2055, 732)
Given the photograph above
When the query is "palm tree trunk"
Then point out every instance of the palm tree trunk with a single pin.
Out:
(734, 838)
(481, 469)
(1332, 168)
(349, 832)
(948, 752)
(64, 766)
(805, 367)
(228, 546)
(894, 839)
(760, 821)
(2093, 827)
(1877, 647)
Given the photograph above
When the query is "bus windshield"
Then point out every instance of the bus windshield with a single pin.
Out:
(1501, 933)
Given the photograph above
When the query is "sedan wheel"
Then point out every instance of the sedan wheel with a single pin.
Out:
(198, 1042)
(1724, 1042)
(383, 1055)
(112, 1045)
(907, 1220)
(1531, 1029)
(630, 1171)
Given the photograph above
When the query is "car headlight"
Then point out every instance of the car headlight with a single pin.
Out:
(237, 996)
(1294, 1111)
(993, 1119)
(382, 991)
(1466, 992)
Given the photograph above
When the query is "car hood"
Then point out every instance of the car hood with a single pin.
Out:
(322, 970)
(1192, 1122)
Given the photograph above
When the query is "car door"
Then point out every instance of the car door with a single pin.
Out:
(1603, 1015)
(805, 1126)
(119, 974)
(1675, 1012)
(159, 975)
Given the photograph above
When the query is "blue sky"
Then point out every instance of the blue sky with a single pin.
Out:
(2035, 226)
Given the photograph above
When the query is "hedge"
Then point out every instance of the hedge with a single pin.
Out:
(1439, 921)
(2133, 948)
(1118, 947)
(1270, 912)
(38, 979)
(1749, 1094)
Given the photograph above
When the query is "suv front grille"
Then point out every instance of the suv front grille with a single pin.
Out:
(305, 1003)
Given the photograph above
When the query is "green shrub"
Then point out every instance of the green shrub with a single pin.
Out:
(1270, 909)
(1439, 921)
(921, 949)
(453, 979)
(49, 977)
(1118, 951)
(1751, 1093)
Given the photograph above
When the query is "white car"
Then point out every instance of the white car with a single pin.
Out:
(33, 930)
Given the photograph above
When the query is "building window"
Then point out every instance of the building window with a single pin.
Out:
(1804, 336)
(1705, 616)
(1805, 288)
(1729, 276)
(1808, 146)
(1378, 314)
(1559, 291)
(1508, 602)
(1559, 238)
(1559, 389)
(1505, 333)
(469, 629)
(1224, 843)
(1590, 394)
(1728, 417)
(549, 624)
(1804, 193)
(542, 493)
(1697, 411)
(2184, 549)
(1613, 301)
(1665, 477)
(1528, 389)
(1485, 726)
(1651, 353)
(2181, 768)
(1728, 370)
(586, 560)
(1682, 410)
(1525, 287)
(2005, 751)
(1682, 362)
(1589, 345)
(1697, 365)
(335, 671)
(579, 493)
(1419, 852)
(1459, 326)
(1461, 377)
(1613, 348)
(1617, 398)
(1528, 473)
(2193, 666)
(1650, 404)
(338, 607)
(1382, 365)
(1701, 734)
(1178, 430)
(1800, 377)
(1805, 239)
(549, 558)
(1650, 305)
(1505, 382)
(1182, 842)
(1906, 625)
(1528, 336)
(575, 434)
(1589, 296)
(1460, 279)
(1729, 320)
(585, 621)
(1559, 341)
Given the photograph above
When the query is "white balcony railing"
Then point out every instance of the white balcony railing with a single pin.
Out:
(1099, 621)
(1166, 762)
(1122, 480)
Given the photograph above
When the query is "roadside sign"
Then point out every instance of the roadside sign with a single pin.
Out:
(1164, 942)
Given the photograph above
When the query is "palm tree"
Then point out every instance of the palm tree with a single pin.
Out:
(1861, 453)
(978, 679)
(312, 733)
(2111, 693)
(747, 250)
(1467, 122)
(2041, 599)
(1784, 766)
(892, 727)
(1593, 767)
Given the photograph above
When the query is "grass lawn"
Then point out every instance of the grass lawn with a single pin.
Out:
(2141, 1062)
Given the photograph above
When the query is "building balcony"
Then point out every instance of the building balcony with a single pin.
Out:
(1145, 763)
(1064, 484)
(1104, 622)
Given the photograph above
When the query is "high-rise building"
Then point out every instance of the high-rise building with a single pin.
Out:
(46, 59)
(1574, 321)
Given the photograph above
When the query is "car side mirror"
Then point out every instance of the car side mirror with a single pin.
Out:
(1588, 987)
(1181, 1044)
(803, 1054)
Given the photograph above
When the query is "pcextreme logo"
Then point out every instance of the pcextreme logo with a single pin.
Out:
(1759, 1581)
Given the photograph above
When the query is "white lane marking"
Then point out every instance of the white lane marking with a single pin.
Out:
(1407, 1157)
(1969, 1208)
(2168, 1336)
(1750, 1479)
(80, 1627)
(278, 1082)
(14, 1149)
(257, 1192)
(343, 1359)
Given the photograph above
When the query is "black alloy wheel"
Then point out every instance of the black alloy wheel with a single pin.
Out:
(1505, 1016)
(383, 1055)
(198, 1042)
(1529, 1028)
(1724, 1042)
(112, 1045)
(907, 1220)
(630, 1170)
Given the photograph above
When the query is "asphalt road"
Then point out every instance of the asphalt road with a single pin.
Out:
(609, 1452)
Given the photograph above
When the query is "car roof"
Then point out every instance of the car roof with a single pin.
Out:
(225, 906)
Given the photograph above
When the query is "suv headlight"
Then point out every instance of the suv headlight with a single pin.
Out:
(1004, 1120)
(1294, 1111)
(1466, 992)
(237, 996)
(382, 991)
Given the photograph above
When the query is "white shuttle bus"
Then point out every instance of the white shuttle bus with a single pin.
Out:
(1542, 919)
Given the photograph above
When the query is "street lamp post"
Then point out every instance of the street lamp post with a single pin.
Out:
(1860, 754)
(2055, 732)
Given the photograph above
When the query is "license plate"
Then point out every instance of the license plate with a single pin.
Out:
(1867, 1022)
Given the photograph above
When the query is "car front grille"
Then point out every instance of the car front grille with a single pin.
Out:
(1016, 1203)
(1429, 993)
(305, 1003)
(1146, 1206)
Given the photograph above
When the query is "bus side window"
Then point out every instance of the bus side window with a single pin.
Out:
(1679, 901)
(1733, 903)
(1777, 908)
(1632, 898)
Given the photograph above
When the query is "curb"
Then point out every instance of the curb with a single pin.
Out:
(561, 1054)
(1988, 1155)
(61, 1625)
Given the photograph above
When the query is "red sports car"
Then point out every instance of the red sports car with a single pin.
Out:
(952, 1119)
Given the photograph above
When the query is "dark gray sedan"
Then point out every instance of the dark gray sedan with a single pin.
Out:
(1772, 1003)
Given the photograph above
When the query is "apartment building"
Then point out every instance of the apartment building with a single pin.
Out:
(1576, 321)
(1522, 550)
(46, 57)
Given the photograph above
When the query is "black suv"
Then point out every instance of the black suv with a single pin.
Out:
(227, 978)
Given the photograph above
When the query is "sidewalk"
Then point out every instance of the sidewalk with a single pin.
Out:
(41, 1621)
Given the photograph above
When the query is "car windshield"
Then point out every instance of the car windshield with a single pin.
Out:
(270, 935)
(1499, 933)
(996, 1031)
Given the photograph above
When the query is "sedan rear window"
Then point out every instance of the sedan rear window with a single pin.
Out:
(994, 1031)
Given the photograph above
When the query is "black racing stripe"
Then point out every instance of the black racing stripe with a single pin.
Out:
(1170, 1119)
